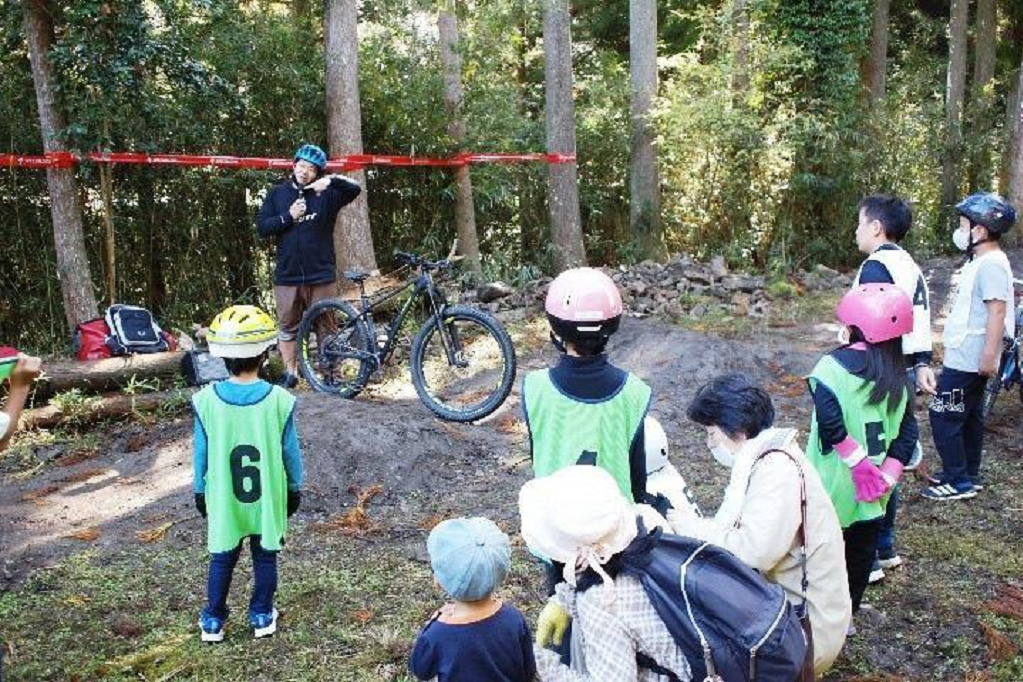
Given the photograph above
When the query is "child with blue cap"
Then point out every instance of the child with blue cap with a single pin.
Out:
(477, 636)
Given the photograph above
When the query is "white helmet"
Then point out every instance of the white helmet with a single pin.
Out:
(655, 443)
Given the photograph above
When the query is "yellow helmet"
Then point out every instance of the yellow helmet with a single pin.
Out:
(241, 331)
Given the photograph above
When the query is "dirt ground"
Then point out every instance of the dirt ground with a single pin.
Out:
(102, 562)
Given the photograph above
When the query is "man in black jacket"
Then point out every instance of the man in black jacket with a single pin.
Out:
(299, 214)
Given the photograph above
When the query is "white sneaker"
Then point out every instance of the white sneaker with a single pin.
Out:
(876, 576)
(916, 458)
(264, 625)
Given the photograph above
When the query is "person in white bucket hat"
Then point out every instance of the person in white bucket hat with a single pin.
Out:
(578, 516)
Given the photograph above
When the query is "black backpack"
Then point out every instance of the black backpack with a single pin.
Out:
(133, 330)
(730, 622)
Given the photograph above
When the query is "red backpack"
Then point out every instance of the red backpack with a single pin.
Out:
(89, 340)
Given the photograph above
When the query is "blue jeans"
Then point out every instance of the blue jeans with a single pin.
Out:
(957, 425)
(264, 572)
(886, 533)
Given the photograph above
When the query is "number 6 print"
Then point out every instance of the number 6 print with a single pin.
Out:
(245, 476)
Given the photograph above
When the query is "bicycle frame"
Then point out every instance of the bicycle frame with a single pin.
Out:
(421, 285)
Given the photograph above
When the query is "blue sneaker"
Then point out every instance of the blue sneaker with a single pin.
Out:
(946, 491)
(212, 629)
(939, 478)
(263, 624)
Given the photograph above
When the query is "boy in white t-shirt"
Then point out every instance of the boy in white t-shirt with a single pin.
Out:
(981, 316)
(884, 221)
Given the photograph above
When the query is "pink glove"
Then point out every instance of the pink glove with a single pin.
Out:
(891, 470)
(869, 481)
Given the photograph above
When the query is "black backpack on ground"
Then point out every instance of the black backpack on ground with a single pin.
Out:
(133, 330)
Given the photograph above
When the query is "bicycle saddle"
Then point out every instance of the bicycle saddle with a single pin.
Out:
(356, 275)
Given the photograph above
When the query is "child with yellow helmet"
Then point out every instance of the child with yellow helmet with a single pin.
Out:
(247, 466)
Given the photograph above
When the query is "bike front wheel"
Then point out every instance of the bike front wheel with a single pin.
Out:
(464, 369)
(334, 350)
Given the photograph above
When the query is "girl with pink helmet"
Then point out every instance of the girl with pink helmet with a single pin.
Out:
(862, 432)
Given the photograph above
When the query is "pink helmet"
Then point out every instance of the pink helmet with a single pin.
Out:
(881, 311)
(583, 302)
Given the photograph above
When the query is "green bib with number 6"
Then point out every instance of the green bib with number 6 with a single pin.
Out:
(246, 485)
(874, 427)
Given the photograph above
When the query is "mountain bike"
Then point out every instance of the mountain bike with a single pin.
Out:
(1009, 371)
(462, 359)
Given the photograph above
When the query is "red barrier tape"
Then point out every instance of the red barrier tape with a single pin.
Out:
(350, 162)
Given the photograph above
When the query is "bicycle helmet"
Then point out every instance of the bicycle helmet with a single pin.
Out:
(583, 303)
(881, 311)
(312, 154)
(989, 210)
(655, 444)
(241, 331)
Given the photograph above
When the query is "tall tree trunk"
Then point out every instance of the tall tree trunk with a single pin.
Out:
(1015, 175)
(982, 110)
(465, 212)
(106, 184)
(954, 93)
(876, 66)
(644, 176)
(68, 230)
(563, 188)
(741, 77)
(985, 44)
(353, 239)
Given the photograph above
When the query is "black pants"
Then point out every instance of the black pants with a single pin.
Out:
(860, 544)
(957, 425)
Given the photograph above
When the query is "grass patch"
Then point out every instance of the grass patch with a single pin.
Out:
(133, 617)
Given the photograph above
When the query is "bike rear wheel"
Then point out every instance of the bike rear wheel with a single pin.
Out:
(464, 370)
(334, 351)
(991, 390)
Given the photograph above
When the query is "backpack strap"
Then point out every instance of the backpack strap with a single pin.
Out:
(644, 661)
(802, 509)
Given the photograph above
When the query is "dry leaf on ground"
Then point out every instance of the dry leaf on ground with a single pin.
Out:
(85, 534)
(154, 534)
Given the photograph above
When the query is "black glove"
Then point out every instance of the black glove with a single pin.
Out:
(200, 503)
(659, 502)
(294, 501)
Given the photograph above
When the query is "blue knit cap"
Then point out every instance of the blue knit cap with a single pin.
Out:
(470, 557)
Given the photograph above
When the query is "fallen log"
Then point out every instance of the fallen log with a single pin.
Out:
(90, 409)
(97, 376)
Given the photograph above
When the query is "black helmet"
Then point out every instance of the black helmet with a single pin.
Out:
(989, 210)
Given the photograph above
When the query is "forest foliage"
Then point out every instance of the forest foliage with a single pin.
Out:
(768, 175)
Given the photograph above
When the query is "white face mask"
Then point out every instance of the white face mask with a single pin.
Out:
(718, 443)
(723, 455)
(961, 238)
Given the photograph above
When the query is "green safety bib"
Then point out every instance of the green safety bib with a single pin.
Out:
(566, 431)
(246, 484)
(874, 427)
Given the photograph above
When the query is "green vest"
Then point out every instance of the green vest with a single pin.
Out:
(874, 427)
(564, 430)
(246, 485)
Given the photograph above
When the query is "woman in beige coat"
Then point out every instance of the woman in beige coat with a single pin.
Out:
(760, 515)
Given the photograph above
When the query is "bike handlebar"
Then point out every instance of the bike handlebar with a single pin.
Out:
(420, 262)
